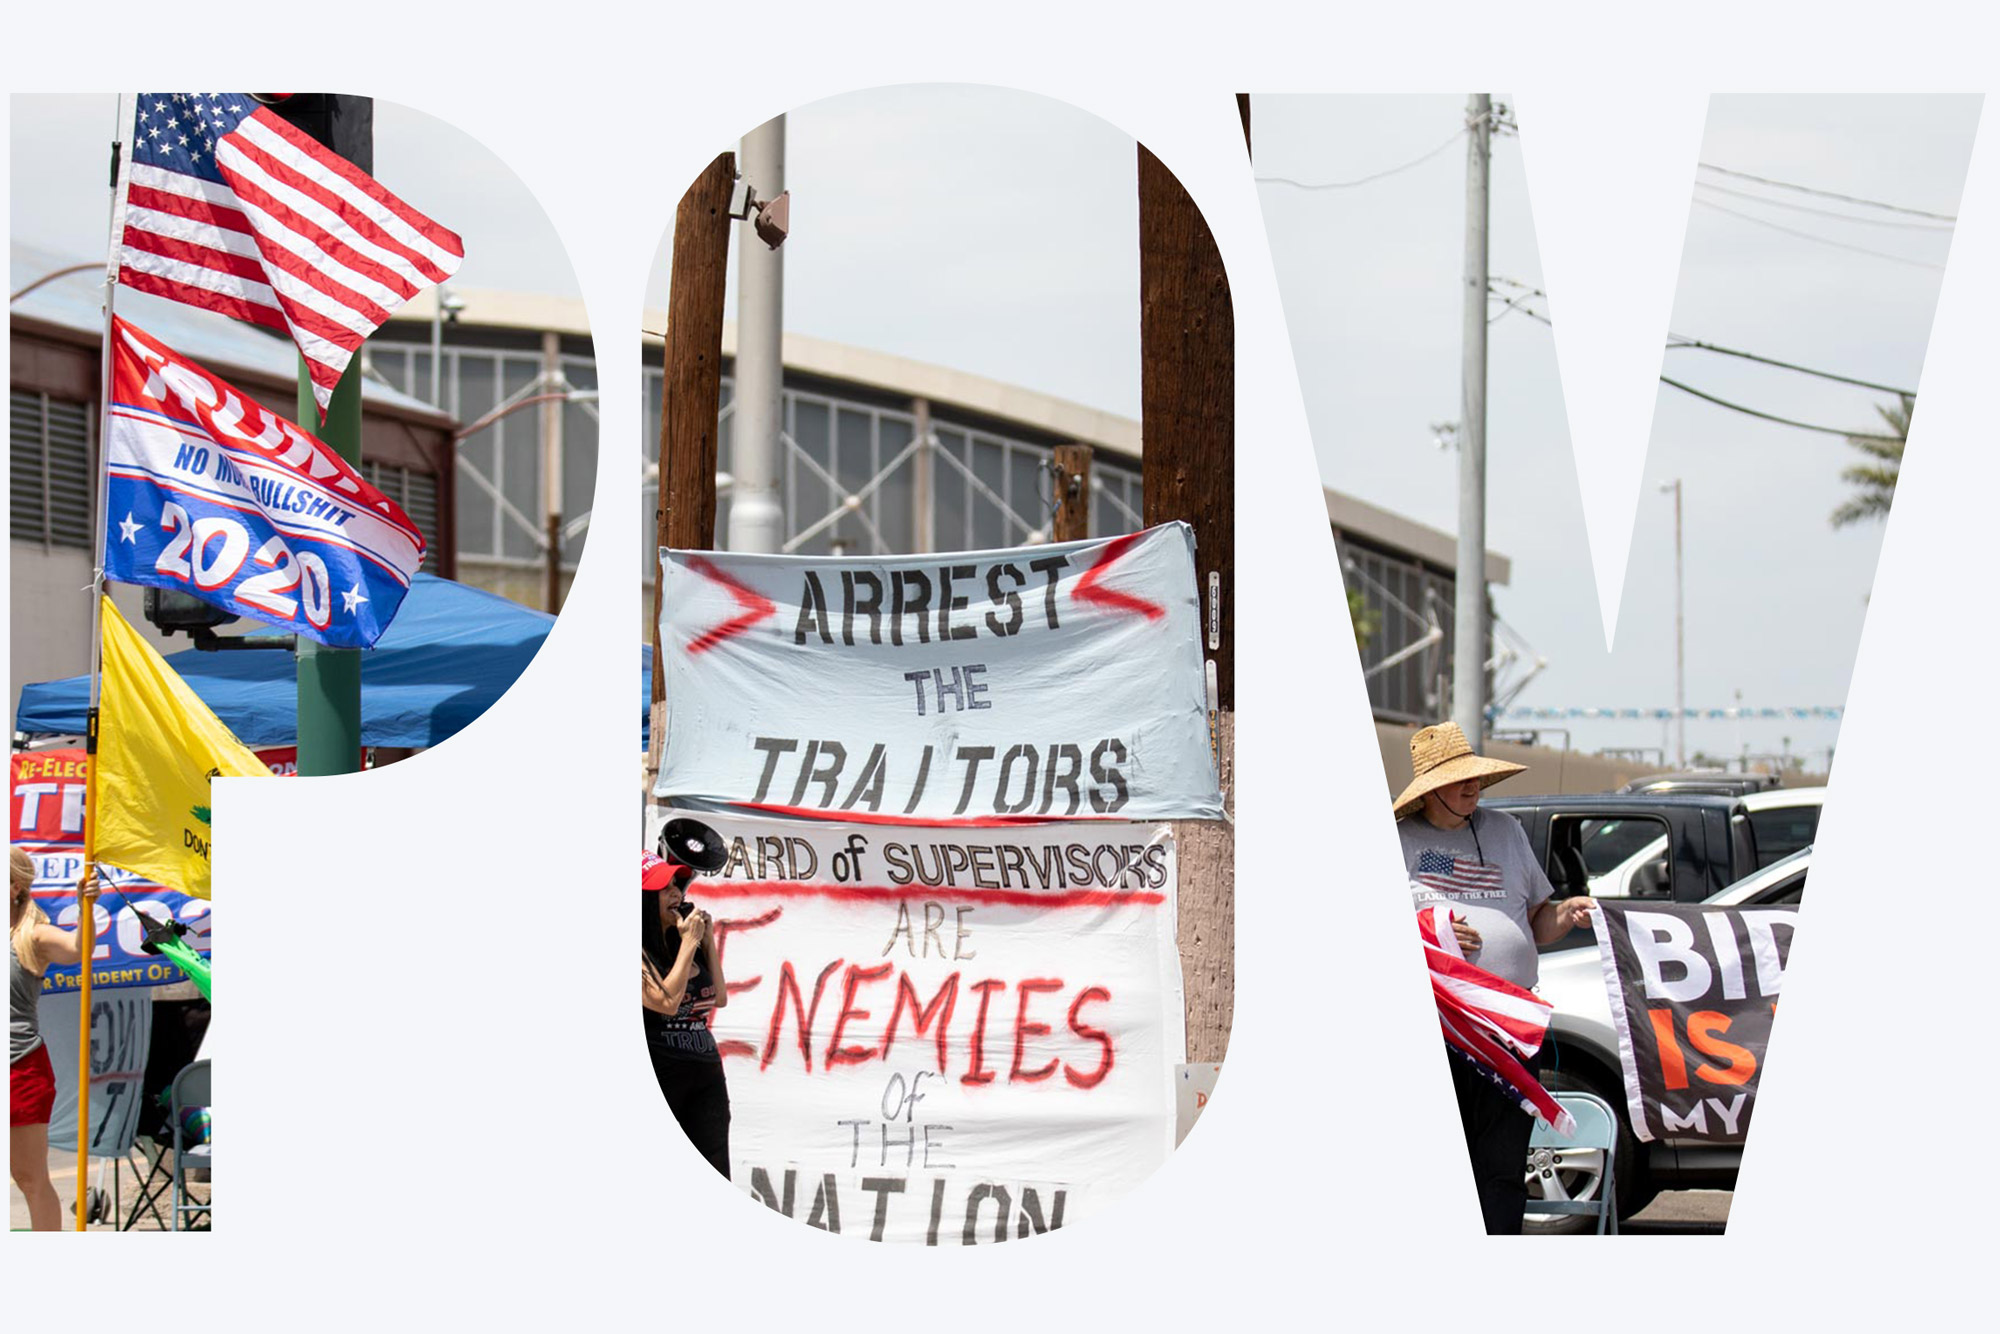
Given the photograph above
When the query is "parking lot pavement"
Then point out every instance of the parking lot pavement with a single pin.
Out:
(62, 1171)
(1687, 1212)
(1672, 1212)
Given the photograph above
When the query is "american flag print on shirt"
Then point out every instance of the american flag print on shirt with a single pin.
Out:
(230, 208)
(1456, 875)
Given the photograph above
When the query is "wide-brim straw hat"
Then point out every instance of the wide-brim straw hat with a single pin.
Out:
(1440, 756)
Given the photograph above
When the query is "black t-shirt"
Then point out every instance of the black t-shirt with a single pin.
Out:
(684, 1034)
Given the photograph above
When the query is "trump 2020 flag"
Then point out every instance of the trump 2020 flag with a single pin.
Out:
(158, 747)
(231, 208)
(212, 494)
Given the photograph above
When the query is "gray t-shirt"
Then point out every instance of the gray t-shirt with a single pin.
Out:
(1487, 872)
(24, 998)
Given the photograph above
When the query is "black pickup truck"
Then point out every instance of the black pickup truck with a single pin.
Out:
(1677, 846)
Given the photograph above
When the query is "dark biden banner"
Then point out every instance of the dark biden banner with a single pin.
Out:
(1693, 993)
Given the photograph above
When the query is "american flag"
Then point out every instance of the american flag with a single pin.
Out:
(1487, 1020)
(1441, 871)
(230, 208)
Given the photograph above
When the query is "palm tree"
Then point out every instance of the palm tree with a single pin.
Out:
(1366, 619)
(1875, 480)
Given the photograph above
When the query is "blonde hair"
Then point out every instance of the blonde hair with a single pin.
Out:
(20, 876)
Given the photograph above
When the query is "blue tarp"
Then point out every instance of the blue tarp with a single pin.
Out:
(645, 696)
(449, 654)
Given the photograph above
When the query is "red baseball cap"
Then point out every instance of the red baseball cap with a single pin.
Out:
(656, 872)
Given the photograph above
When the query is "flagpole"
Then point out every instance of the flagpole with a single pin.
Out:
(87, 895)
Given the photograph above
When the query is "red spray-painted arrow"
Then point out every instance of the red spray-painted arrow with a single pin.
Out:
(755, 607)
(1087, 589)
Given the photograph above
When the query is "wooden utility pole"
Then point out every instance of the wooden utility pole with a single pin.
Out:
(685, 517)
(1072, 520)
(1187, 342)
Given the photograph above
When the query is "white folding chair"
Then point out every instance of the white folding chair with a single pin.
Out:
(1550, 1154)
(190, 1091)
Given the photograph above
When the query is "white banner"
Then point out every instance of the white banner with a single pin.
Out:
(121, 1033)
(945, 1037)
(1056, 681)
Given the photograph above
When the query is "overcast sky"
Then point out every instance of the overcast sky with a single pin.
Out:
(59, 201)
(979, 228)
(1370, 279)
(994, 231)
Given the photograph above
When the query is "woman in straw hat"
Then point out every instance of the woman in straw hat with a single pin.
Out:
(32, 1092)
(1502, 906)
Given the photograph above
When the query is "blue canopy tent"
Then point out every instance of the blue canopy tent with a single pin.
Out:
(449, 654)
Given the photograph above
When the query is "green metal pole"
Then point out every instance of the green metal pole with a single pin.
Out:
(330, 678)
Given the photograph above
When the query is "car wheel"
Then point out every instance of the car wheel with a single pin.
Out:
(1578, 1174)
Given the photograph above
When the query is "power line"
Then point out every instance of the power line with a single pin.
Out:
(1698, 345)
(1826, 194)
(1738, 407)
(1680, 343)
(1534, 315)
(1512, 306)
(1348, 185)
(1683, 341)
(1762, 416)
(1821, 711)
(1515, 303)
(1823, 240)
(1823, 212)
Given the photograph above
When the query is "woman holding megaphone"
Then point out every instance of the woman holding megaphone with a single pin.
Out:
(681, 984)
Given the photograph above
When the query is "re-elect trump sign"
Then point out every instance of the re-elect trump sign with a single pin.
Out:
(212, 495)
(1052, 682)
(1693, 993)
(46, 793)
(945, 1036)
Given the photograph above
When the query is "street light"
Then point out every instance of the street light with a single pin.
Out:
(1680, 635)
(445, 307)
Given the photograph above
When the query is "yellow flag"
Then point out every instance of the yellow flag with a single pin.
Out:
(157, 748)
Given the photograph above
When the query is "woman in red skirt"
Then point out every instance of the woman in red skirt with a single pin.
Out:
(36, 945)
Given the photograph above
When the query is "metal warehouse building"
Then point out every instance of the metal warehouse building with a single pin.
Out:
(880, 454)
(1406, 575)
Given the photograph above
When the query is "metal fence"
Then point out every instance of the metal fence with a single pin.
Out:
(858, 478)
(501, 500)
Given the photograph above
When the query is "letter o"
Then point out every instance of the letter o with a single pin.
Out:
(900, 1090)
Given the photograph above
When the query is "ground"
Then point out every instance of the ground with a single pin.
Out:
(1693, 1212)
(62, 1170)
(1683, 1211)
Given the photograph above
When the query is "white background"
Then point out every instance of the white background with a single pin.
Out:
(478, 1059)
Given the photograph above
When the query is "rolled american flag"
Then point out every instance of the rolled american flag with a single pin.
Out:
(1487, 1020)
